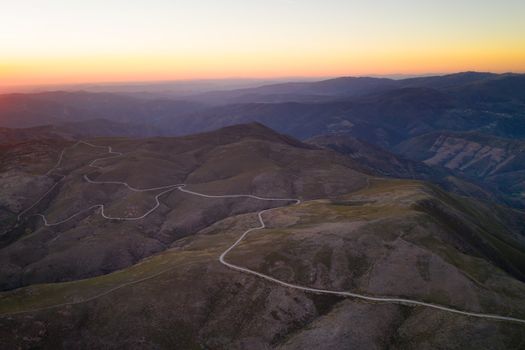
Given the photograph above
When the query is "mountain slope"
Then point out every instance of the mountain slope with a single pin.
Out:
(384, 111)
(497, 162)
(384, 120)
(159, 281)
(381, 240)
(376, 160)
(241, 159)
(27, 110)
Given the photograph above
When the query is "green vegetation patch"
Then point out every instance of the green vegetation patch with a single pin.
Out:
(46, 295)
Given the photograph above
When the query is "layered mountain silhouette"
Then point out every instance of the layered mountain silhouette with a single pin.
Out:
(146, 223)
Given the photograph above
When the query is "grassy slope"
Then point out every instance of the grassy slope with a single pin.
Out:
(345, 243)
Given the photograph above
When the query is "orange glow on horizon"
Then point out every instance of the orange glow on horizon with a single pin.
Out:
(67, 42)
(70, 70)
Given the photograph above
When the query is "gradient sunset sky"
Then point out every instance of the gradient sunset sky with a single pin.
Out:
(66, 41)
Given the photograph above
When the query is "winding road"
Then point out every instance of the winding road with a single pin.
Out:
(222, 257)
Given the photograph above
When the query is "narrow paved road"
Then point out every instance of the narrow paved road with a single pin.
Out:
(401, 301)
(222, 257)
(101, 207)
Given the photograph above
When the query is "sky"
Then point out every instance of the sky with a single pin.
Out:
(70, 41)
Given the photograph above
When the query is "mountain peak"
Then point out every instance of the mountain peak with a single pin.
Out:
(252, 130)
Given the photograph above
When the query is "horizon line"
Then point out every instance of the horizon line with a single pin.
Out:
(276, 79)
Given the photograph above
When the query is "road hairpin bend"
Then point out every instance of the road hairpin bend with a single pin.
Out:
(222, 257)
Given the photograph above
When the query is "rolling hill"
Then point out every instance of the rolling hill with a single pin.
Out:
(245, 159)
(143, 275)
(398, 116)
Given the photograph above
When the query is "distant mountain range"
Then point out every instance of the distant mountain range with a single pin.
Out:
(343, 87)
(465, 100)
(404, 117)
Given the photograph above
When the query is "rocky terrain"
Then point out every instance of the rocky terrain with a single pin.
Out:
(496, 162)
(381, 240)
(157, 282)
(375, 159)
(247, 159)
(472, 154)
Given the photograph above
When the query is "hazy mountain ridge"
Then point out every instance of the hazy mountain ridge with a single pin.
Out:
(386, 113)
(26, 110)
(347, 87)
(456, 94)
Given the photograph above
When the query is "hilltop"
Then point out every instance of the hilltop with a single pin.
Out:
(157, 282)
(239, 159)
